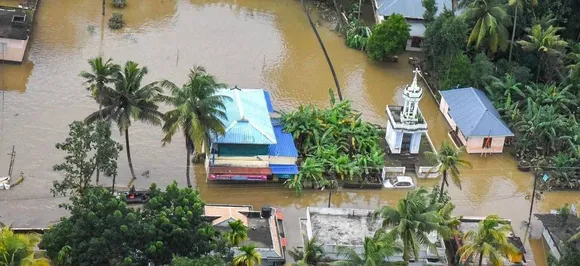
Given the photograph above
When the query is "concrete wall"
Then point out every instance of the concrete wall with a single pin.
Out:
(15, 49)
(444, 107)
(282, 160)
(551, 244)
(474, 144)
(392, 137)
(408, 47)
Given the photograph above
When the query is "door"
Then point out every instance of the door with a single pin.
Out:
(406, 143)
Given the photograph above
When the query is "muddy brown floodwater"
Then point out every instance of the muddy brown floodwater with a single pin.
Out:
(250, 43)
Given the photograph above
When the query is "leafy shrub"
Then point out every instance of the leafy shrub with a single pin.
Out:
(116, 21)
(389, 38)
(357, 35)
(119, 3)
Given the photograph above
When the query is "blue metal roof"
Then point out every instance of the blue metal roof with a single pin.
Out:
(247, 118)
(268, 101)
(474, 113)
(284, 169)
(285, 143)
(408, 8)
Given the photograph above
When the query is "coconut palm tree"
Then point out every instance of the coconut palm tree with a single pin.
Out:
(488, 240)
(18, 249)
(99, 77)
(451, 161)
(127, 100)
(198, 111)
(411, 221)
(490, 27)
(238, 233)
(249, 257)
(375, 250)
(517, 5)
(545, 42)
(311, 254)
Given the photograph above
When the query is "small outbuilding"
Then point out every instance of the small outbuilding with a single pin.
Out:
(474, 122)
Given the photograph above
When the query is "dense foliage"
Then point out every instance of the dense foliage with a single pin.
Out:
(389, 38)
(116, 21)
(334, 144)
(19, 249)
(119, 3)
(102, 230)
(534, 87)
(357, 34)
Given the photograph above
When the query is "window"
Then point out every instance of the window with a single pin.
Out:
(486, 143)
(3, 48)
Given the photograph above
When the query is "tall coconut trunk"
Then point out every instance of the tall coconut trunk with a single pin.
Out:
(443, 182)
(480, 258)
(513, 34)
(113, 187)
(188, 164)
(129, 154)
(103, 7)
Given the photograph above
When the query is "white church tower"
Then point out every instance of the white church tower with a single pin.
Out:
(405, 124)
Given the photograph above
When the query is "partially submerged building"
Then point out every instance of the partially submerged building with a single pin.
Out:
(265, 229)
(406, 136)
(413, 11)
(474, 121)
(557, 230)
(335, 227)
(254, 146)
(15, 28)
(472, 223)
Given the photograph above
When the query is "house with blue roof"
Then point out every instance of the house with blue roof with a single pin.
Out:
(474, 121)
(413, 11)
(253, 147)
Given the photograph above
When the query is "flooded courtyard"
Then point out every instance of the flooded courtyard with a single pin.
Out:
(251, 44)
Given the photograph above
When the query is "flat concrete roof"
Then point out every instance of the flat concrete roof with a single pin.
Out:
(344, 227)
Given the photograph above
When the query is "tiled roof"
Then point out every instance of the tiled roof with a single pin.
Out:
(285, 144)
(474, 113)
(408, 8)
(248, 119)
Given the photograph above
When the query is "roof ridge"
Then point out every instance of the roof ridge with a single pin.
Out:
(501, 122)
(472, 89)
(262, 132)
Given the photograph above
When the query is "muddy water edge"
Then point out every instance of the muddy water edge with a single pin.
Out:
(251, 43)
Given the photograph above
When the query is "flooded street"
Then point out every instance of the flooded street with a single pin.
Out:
(251, 44)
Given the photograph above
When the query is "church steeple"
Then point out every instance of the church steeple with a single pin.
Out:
(412, 95)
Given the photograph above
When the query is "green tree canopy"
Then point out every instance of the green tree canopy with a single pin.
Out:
(19, 249)
(88, 147)
(389, 38)
(491, 21)
(102, 230)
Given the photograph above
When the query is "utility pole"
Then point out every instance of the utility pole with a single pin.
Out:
(324, 51)
(104, 7)
(537, 173)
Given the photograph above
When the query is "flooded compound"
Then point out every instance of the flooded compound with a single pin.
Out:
(251, 44)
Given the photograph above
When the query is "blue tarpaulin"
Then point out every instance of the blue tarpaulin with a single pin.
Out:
(283, 169)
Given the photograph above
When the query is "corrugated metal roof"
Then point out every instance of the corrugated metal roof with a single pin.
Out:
(268, 101)
(409, 8)
(248, 119)
(474, 113)
(284, 169)
(217, 170)
(285, 144)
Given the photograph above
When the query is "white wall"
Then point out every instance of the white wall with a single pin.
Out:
(15, 49)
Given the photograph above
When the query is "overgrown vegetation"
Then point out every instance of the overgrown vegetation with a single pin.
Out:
(116, 21)
(389, 38)
(534, 87)
(102, 230)
(119, 3)
(334, 144)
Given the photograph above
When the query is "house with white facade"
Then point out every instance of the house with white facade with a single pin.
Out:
(413, 11)
(15, 28)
